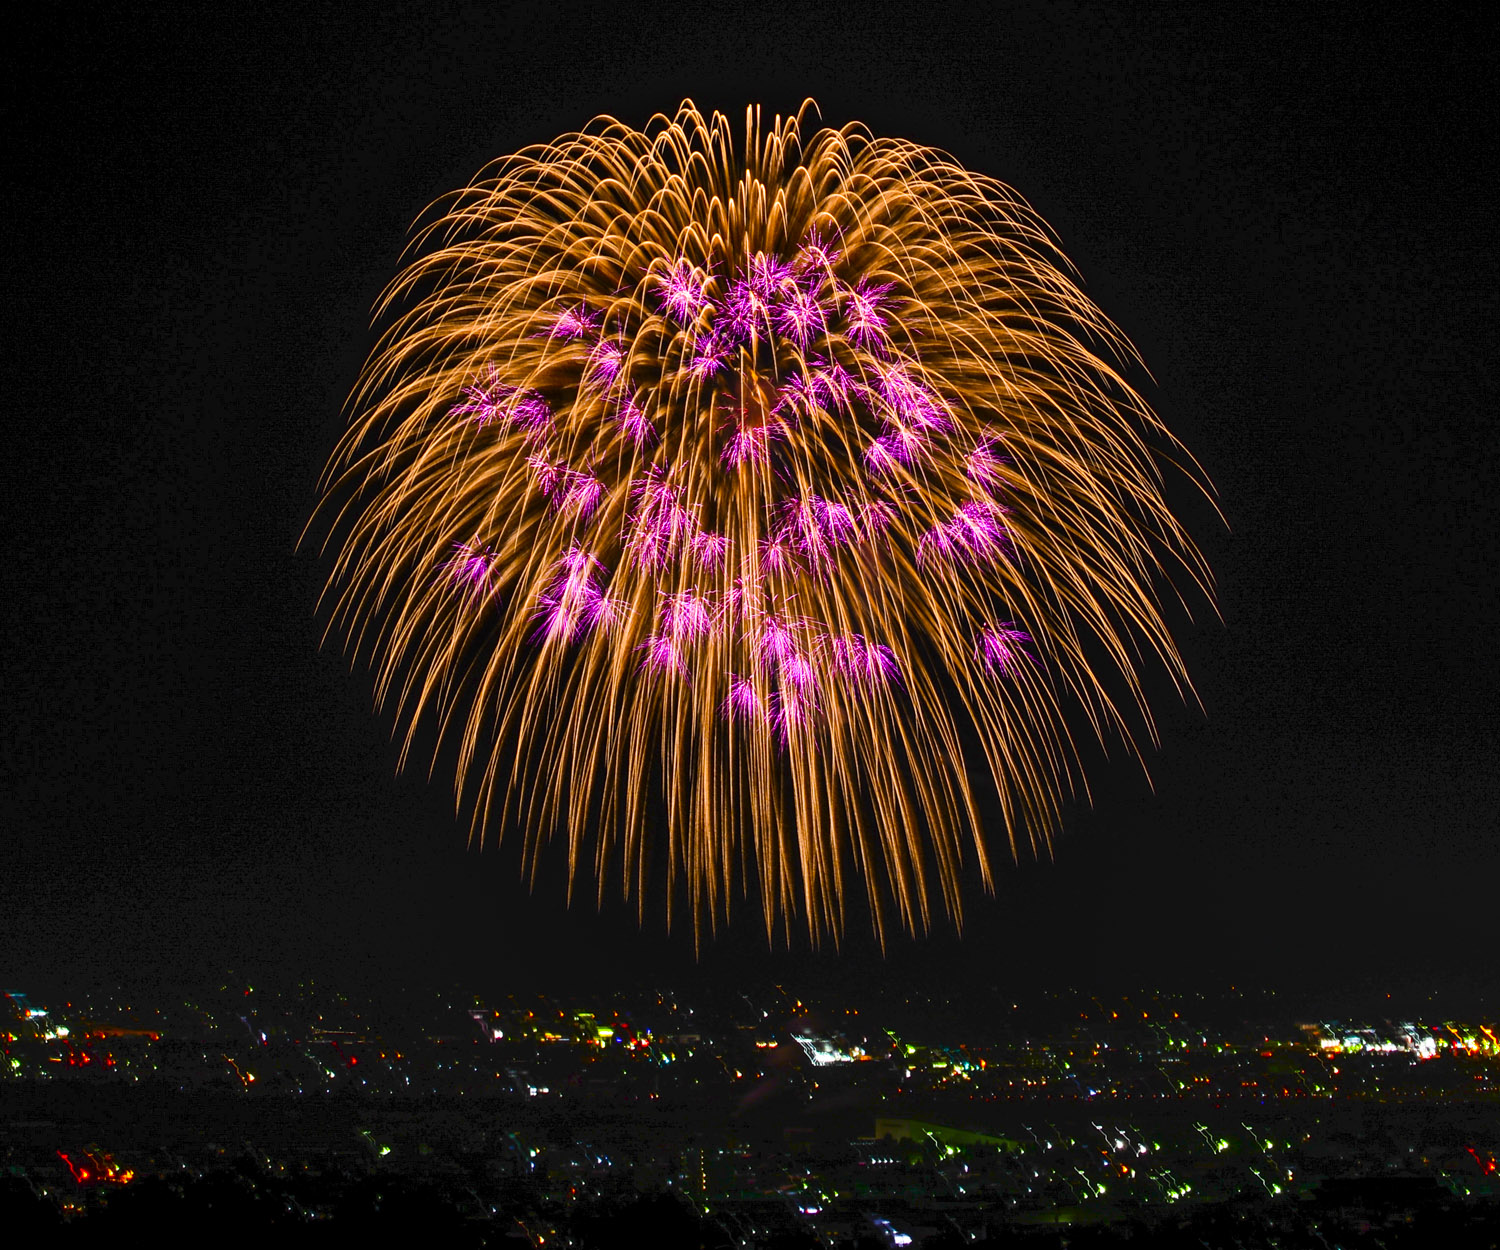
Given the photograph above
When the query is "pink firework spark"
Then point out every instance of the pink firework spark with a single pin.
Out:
(864, 324)
(876, 517)
(605, 363)
(910, 402)
(743, 703)
(768, 275)
(661, 654)
(775, 644)
(983, 463)
(574, 323)
(796, 395)
(633, 421)
(973, 533)
(532, 413)
(746, 313)
(605, 613)
(570, 602)
(681, 293)
(815, 526)
(776, 556)
(471, 566)
(832, 384)
(579, 495)
(660, 520)
(800, 317)
(798, 670)
(547, 474)
(686, 615)
(710, 355)
(739, 599)
(748, 445)
(791, 710)
(817, 253)
(905, 443)
(484, 401)
(1001, 647)
(885, 456)
(863, 661)
(711, 549)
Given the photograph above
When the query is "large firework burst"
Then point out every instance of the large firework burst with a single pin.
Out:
(730, 500)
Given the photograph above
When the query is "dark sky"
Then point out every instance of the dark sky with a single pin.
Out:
(1287, 211)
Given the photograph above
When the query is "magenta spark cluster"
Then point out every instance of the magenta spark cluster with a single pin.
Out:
(801, 314)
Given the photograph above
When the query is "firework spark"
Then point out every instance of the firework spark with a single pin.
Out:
(758, 477)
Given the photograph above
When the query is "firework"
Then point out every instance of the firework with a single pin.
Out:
(763, 503)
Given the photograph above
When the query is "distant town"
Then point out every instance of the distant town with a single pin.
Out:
(746, 1117)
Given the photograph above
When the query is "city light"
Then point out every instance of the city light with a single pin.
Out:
(1019, 1118)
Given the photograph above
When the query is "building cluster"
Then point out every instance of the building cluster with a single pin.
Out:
(899, 1121)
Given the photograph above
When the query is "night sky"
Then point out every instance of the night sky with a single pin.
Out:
(1286, 211)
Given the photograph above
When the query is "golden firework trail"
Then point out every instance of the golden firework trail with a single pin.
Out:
(730, 499)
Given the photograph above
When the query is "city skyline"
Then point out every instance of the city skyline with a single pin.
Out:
(857, 1119)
